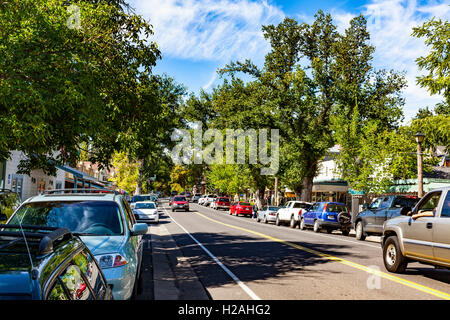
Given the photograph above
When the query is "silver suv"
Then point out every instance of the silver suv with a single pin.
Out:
(423, 235)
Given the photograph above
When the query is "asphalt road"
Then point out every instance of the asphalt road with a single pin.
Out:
(237, 258)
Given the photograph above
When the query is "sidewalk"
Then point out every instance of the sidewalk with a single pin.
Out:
(173, 277)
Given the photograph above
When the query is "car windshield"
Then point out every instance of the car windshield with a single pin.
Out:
(144, 205)
(301, 205)
(244, 203)
(274, 208)
(179, 199)
(85, 217)
(141, 198)
(333, 207)
(224, 200)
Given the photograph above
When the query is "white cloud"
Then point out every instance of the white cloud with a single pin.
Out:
(390, 25)
(211, 30)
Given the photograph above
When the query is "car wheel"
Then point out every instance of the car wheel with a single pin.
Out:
(292, 224)
(346, 232)
(277, 221)
(316, 226)
(229, 212)
(302, 224)
(360, 231)
(329, 231)
(393, 259)
(265, 219)
(258, 219)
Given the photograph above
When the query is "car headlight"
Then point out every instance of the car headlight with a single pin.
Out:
(111, 260)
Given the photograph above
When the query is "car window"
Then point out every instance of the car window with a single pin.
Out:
(145, 205)
(244, 203)
(129, 212)
(92, 273)
(57, 292)
(334, 207)
(301, 205)
(315, 207)
(430, 203)
(446, 207)
(376, 203)
(75, 284)
(87, 217)
(179, 199)
(385, 203)
(404, 202)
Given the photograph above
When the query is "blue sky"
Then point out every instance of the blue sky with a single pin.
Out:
(197, 37)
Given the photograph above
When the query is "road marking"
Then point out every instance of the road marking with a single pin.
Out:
(393, 278)
(320, 235)
(231, 274)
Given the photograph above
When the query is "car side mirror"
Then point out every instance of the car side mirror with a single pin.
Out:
(139, 229)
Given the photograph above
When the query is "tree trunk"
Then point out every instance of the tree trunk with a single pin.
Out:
(307, 185)
(298, 194)
(259, 197)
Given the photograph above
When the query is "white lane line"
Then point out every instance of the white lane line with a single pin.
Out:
(315, 234)
(231, 274)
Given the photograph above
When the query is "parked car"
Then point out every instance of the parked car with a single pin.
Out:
(179, 202)
(423, 235)
(267, 214)
(221, 203)
(202, 199)
(209, 199)
(140, 197)
(196, 197)
(146, 211)
(9, 202)
(58, 266)
(241, 207)
(370, 221)
(328, 216)
(291, 213)
(105, 223)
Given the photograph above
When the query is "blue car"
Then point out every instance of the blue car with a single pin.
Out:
(328, 216)
(104, 222)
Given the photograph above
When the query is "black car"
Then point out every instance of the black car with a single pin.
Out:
(370, 221)
(45, 263)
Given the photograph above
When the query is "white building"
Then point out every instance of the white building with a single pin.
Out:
(28, 185)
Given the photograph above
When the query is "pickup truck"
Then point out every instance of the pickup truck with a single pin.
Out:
(422, 235)
(291, 213)
(370, 221)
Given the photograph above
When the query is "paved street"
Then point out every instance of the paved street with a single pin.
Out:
(238, 258)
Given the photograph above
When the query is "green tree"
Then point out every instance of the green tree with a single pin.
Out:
(437, 62)
(125, 172)
(63, 85)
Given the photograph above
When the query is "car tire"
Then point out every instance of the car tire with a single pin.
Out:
(302, 224)
(329, 231)
(265, 219)
(258, 219)
(345, 232)
(277, 221)
(316, 227)
(393, 259)
(360, 231)
(229, 212)
(292, 223)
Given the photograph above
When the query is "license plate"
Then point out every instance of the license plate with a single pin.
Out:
(331, 217)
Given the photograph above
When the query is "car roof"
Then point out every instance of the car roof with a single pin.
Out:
(145, 202)
(54, 197)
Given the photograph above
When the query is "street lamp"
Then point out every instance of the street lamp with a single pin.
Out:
(419, 139)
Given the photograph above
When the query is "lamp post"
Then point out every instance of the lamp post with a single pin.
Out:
(419, 139)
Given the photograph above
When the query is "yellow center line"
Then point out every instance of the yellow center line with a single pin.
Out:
(384, 275)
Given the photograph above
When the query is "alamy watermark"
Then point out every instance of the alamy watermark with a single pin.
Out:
(190, 149)
(74, 21)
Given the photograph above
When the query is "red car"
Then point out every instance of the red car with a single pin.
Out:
(241, 207)
(221, 203)
(179, 203)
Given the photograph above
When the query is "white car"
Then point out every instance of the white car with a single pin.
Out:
(291, 213)
(146, 211)
(202, 199)
(209, 199)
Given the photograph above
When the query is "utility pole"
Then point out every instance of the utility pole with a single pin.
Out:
(276, 191)
(419, 139)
